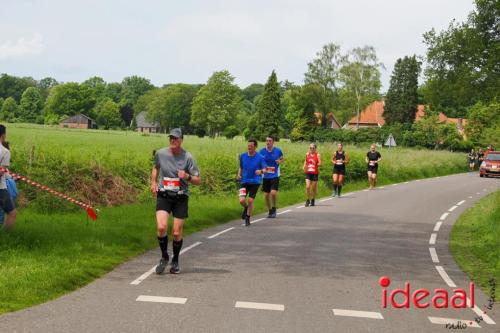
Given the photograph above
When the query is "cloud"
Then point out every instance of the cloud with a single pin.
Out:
(22, 47)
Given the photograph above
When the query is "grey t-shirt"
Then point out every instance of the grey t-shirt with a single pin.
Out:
(5, 162)
(169, 164)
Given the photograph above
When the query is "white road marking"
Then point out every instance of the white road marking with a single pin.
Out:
(151, 271)
(382, 187)
(485, 190)
(300, 207)
(160, 299)
(432, 240)
(283, 212)
(452, 208)
(359, 314)
(461, 202)
(455, 322)
(323, 200)
(434, 255)
(481, 313)
(258, 220)
(407, 182)
(260, 306)
(445, 277)
(365, 190)
(417, 180)
(445, 215)
(438, 225)
(395, 184)
(478, 193)
(470, 197)
(220, 233)
(189, 247)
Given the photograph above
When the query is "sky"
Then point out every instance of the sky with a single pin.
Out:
(186, 41)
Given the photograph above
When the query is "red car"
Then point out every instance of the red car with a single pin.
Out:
(490, 165)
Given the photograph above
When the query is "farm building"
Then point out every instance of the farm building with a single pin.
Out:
(79, 121)
(144, 126)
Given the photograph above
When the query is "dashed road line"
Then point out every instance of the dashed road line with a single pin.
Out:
(220, 233)
(149, 272)
(438, 225)
(299, 207)
(461, 202)
(358, 314)
(454, 322)
(445, 277)
(407, 182)
(259, 306)
(444, 216)
(470, 197)
(434, 255)
(452, 208)
(382, 187)
(283, 212)
(478, 193)
(432, 240)
(160, 299)
(481, 313)
(323, 200)
(258, 220)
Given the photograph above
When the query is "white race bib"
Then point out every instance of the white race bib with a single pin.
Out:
(339, 162)
(243, 192)
(270, 169)
(171, 184)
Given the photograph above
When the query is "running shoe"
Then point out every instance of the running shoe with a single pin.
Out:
(270, 214)
(247, 221)
(274, 213)
(307, 203)
(334, 194)
(175, 269)
(244, 213)
(312, 202)
(161, 266)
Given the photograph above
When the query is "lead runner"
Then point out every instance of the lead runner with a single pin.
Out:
(174, 168)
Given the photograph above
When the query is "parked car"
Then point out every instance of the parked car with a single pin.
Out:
(490, 165)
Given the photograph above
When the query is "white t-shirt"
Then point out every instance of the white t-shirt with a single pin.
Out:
(5, 162)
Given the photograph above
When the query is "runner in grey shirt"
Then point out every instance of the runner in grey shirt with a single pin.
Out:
(173, 170)
(6, 203)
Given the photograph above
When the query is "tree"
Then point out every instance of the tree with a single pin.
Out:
(132, 88)
(268, 115)
(302, 105)
(171, 106)
(68, 99)
(480, 119)
(216, 103)
(108, 114)
(44, 86)
(463, 61)
(98, 87)
(402, 97)
(9, 109)
(324, 71)
(30, 107)
(13, 86)
(114, 91)
(361, 76)
(252, 91)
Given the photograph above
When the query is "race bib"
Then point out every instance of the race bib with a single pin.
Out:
(243, 192)
(171, 184)
(310, 168)
(373, 163)
(270, 169)
(339, 162)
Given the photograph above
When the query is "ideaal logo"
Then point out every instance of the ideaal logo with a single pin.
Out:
(440, 299)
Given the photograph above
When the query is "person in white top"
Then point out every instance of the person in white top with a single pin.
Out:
(6, 203)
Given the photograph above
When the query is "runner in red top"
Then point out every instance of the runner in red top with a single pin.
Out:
(311, 165)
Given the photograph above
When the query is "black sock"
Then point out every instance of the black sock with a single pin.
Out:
(273, 209)
(163, 241)
(177, 246)
(335, 188)
(339, 189)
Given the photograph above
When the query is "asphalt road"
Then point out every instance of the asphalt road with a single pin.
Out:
(312, 269)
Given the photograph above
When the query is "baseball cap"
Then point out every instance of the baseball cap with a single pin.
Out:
(175, 132)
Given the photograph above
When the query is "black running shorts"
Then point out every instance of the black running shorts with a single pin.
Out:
(174, 204)
(270, 184)
(312, 177)
(339, 169)
(252, 189)
(373, 168)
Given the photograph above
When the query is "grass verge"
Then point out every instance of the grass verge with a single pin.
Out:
(475, 243)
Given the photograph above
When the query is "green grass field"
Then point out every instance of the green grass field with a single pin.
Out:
(475, 243)
(55, 249)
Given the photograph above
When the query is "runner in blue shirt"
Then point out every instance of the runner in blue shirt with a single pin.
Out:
(252, 167)
(273, 156)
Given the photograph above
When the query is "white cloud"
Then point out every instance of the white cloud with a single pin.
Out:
(22, 47)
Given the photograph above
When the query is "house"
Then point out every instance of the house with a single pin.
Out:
(443, 119)
(332, 121)
(79, 121)
(144, 126)
(371, 116)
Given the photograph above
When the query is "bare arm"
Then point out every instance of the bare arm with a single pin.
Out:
(154, 180)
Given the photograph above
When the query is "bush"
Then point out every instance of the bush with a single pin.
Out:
(231, 131)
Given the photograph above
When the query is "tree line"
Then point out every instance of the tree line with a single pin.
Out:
(461, 79)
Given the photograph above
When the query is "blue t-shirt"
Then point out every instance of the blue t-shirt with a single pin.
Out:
(250, 164)
(270, 157)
